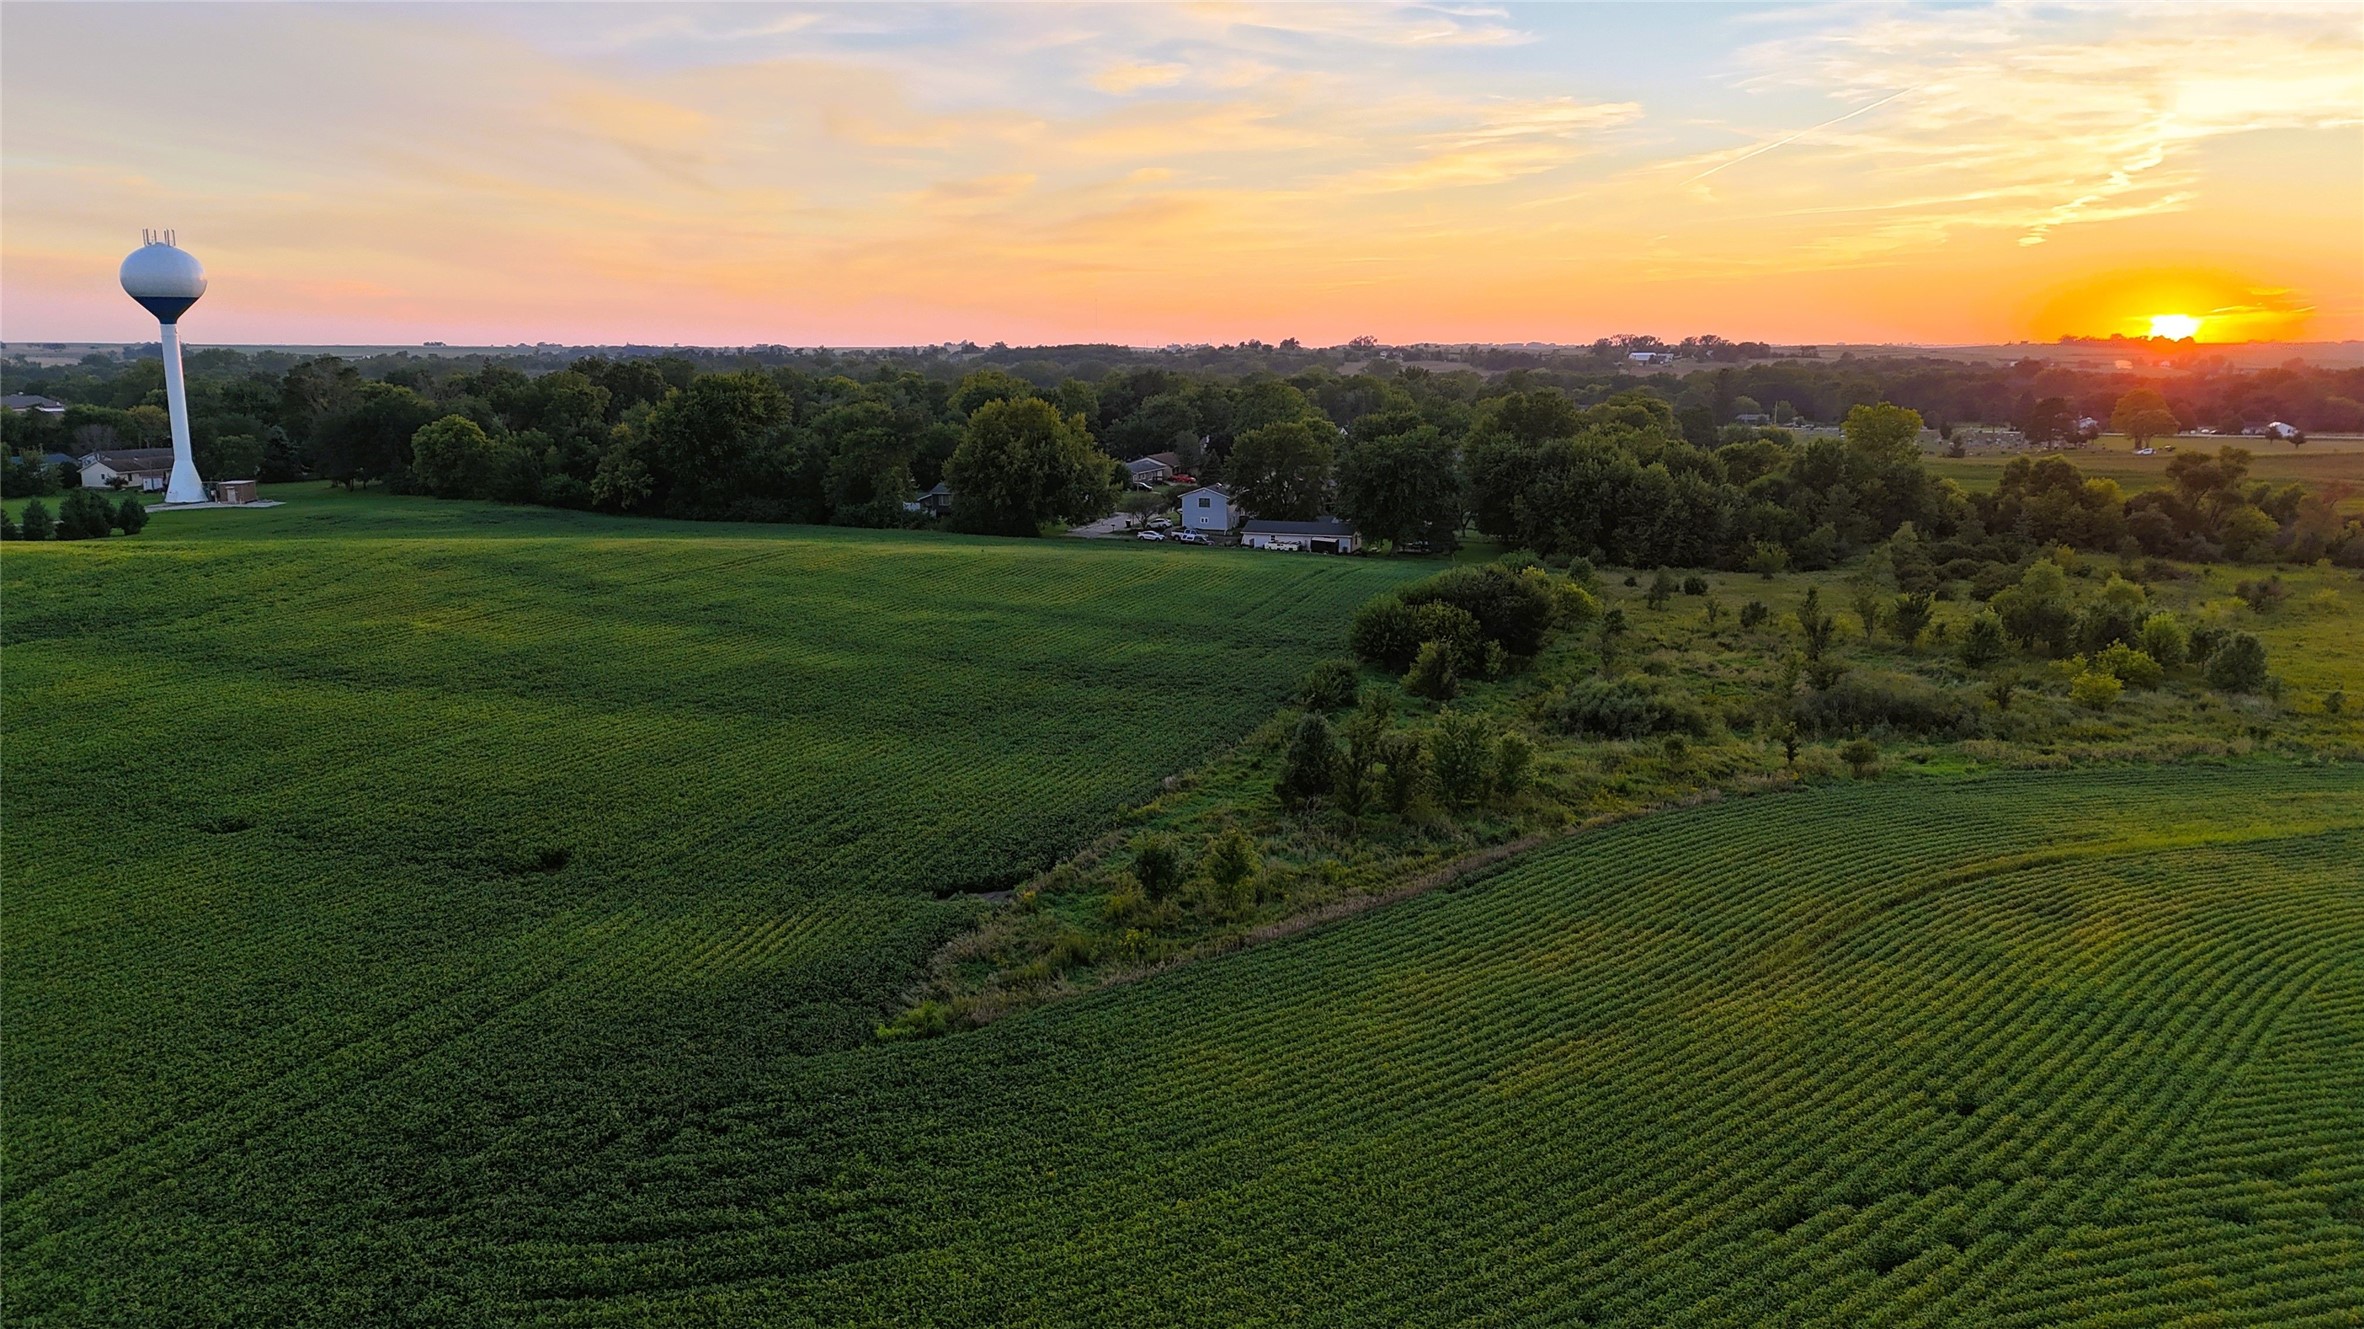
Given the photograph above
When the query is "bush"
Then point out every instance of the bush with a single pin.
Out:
(1629, 707)
(2129, 666)
(2095, 689)
(1767, 559)
(1231, 859)
(2163, 640)
(1157, 863)
(1432, 674)
(1383, 633)
(1461, 751)
(1909, 617)
(1514, 759)
(1694, 585)
(1871, 700)
(9, 530)
(1312, 760)
(1330, 686)
(1753, 613)
(2335, 701)
(130, 516)
(1983, 643)
(1861, 755)
(2237, 664)
(83, 515)
(1404, 765)
(1509, 605)
(38, 524)
(1662, 589)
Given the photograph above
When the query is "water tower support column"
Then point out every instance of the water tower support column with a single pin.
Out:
(185, 486)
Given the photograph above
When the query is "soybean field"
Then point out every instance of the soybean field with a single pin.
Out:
(482, 924)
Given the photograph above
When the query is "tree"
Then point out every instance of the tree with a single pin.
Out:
(1311, 765)
(1021, 464)
(2095, 689)
(1909, 616)
(1433, 674)
(1514, 762)
(2238, 664)
(622, 482)
(1462, 754)
(1982, 643)
(2038, 612)
(702, 442)
(1885, 433)
(1662, 589)
(1403, 489)
(2164, 640)
(1815, 625)
(2049, 421)
(369, 439)
(38, 524)
(1282, 471)
(85, 515)
(130, 515)
(1157, 864)
(2142, 415)
(453, 458)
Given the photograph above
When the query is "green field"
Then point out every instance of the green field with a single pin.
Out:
(438, 913)
(2320, 463)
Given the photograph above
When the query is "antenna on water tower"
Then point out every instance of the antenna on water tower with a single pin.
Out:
(166, 280)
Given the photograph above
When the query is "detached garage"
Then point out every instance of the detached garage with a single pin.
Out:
(1323, 535)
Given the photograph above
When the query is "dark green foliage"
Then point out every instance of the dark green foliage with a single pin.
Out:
(84, 515)
(1330, 686)
(9, 530)
(2236, 663)
(1694, 584)
(1870, 700)
(1909, 615)
(37, 524)
(1662, 588)
(1511, 606)
(1021, 465)
(1514, 760)
(1983, 643)
(1632, 706)
(2038, 612)
(1310, 767)
(2164, 640)
(1816, 627)
(1754, 613)
(1403, 770)
(1157, 864)
(131, 517)
(2001, 689)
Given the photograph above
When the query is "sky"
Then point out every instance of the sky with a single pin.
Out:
(893, 175)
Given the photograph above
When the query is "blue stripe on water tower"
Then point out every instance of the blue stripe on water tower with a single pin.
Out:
(166, 308)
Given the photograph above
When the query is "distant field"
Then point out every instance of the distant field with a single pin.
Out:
(374, 863)
(2322, 461)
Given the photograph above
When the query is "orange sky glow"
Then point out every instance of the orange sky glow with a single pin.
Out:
(885, 175)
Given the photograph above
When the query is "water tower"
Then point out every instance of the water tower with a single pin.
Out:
(166, 280)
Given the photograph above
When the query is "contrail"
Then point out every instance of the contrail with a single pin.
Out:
(1759, 152)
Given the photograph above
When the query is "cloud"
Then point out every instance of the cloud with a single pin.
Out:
(1132, 76)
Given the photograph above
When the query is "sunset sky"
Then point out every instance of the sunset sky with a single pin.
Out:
(890, 175)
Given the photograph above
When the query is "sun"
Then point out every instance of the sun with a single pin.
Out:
(2174, 327)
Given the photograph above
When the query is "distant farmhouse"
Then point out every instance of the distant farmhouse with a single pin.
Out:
(1151, 471)
(936, 502)
(33, 405)
(147, 469)
(1650, 357)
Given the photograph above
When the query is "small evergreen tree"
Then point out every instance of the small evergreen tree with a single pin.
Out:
(1982, 643)
(130, 516)
(1662, 589)
(84, 515)
(1753, 613)
(1404, 768)
(9, 530)
(38, 524)
(1514, 765)
(1815, 625)
(1909, 617)
(1311, 768)
(1462, 752)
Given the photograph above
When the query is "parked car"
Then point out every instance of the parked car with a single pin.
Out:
(1161, 523)
(1191, 538)
(1151, 535)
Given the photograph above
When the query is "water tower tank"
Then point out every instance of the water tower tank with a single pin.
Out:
(164, 278)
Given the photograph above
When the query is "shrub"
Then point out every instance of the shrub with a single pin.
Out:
(1982, 643)
(1514, 759)
(83, 515)
(9, 530)
(1157, 863)
(1462, 753)
(2095, 689)
(1627, 707)
(1767, 559)
(2263, 596)
(2237, 664)
(1753, 613)
(2163, 640)
(2129, 666)
(1312, 759)
(1572, 604)
(1331, 685)
(1404, 765)
(1432, 674)
(2002, 690)
(2037, 611)
(38, 524)
(2335, 701)
(1909, 616)
(131, 517)
(1662, 589)
(1694, 585)
(1231, 859)
(1511, 606)
(1815, 625)
(1861, 755)
(1383, 633)
(1873, 700)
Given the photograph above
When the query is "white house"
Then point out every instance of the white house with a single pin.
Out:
(936, 502)
(147, 469)
(1650, 357)
(1149, 472)
(1323, 535)
(1209, 510)
(32, 404)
